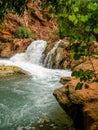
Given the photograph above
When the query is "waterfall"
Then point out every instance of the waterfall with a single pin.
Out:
(25, 101)
(31, 60)
(34, 52)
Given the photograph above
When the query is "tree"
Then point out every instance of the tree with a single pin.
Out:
(77, 20)
(15, 6)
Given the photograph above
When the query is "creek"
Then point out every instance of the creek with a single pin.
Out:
(26, 101)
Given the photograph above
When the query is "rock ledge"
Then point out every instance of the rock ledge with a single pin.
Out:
(6, 71)
(81, 105)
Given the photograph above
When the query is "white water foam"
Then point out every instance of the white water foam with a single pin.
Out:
(34, 52)
(31, 61)
(28, 100)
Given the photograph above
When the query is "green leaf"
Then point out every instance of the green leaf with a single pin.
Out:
(72, 55)
(83, 44)
(75, 21)
(86, 52)
(84, 18)
(95, 30)
(91, 38)
(87, 29)
(79, 86)
(72, 40)
(92, 6)
(76, 9)
(50, 10)
(72, 17)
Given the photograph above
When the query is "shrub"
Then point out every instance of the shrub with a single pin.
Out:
(24, 32)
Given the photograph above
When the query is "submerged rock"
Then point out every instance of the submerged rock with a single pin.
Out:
(81, 105)
(48, 124)
(7, 71)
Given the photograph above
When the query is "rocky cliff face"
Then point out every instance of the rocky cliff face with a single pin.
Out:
(81, 105)
(41, 24)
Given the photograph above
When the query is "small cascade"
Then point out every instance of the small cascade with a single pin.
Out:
(52, 59)
(28, 100)
(34, 52)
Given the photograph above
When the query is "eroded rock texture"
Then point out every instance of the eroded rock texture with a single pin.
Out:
(81, 105)
(40, 23)
(11, 71)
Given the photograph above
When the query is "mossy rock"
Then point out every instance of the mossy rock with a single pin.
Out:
(7, 71)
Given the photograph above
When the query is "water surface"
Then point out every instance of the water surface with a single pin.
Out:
(26, 101)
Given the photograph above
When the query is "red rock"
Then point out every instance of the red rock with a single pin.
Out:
(81, 105)
(32, 19)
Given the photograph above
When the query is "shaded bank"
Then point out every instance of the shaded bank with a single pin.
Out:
(80, 105)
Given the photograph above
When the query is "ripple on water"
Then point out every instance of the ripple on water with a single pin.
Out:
(4, 115)
(25, 101)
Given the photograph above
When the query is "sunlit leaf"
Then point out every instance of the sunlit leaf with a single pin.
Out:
(96, 30)
(76, 9)
(83, 44)
(72, 17)
(92, 6)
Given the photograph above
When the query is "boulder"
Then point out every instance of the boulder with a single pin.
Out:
(55, 54)
(68, 62)
(81, 105)
(9, 71)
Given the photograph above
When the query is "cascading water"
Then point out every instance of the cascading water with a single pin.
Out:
(27, 100)
(48, 60)
(34, 52)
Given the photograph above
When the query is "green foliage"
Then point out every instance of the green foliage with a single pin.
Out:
(77, 18)
(84, 77)
(15, 6)
(79, 50)
(79, 86)
(23, 32)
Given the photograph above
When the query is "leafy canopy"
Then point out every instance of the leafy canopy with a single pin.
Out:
(77, 18)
